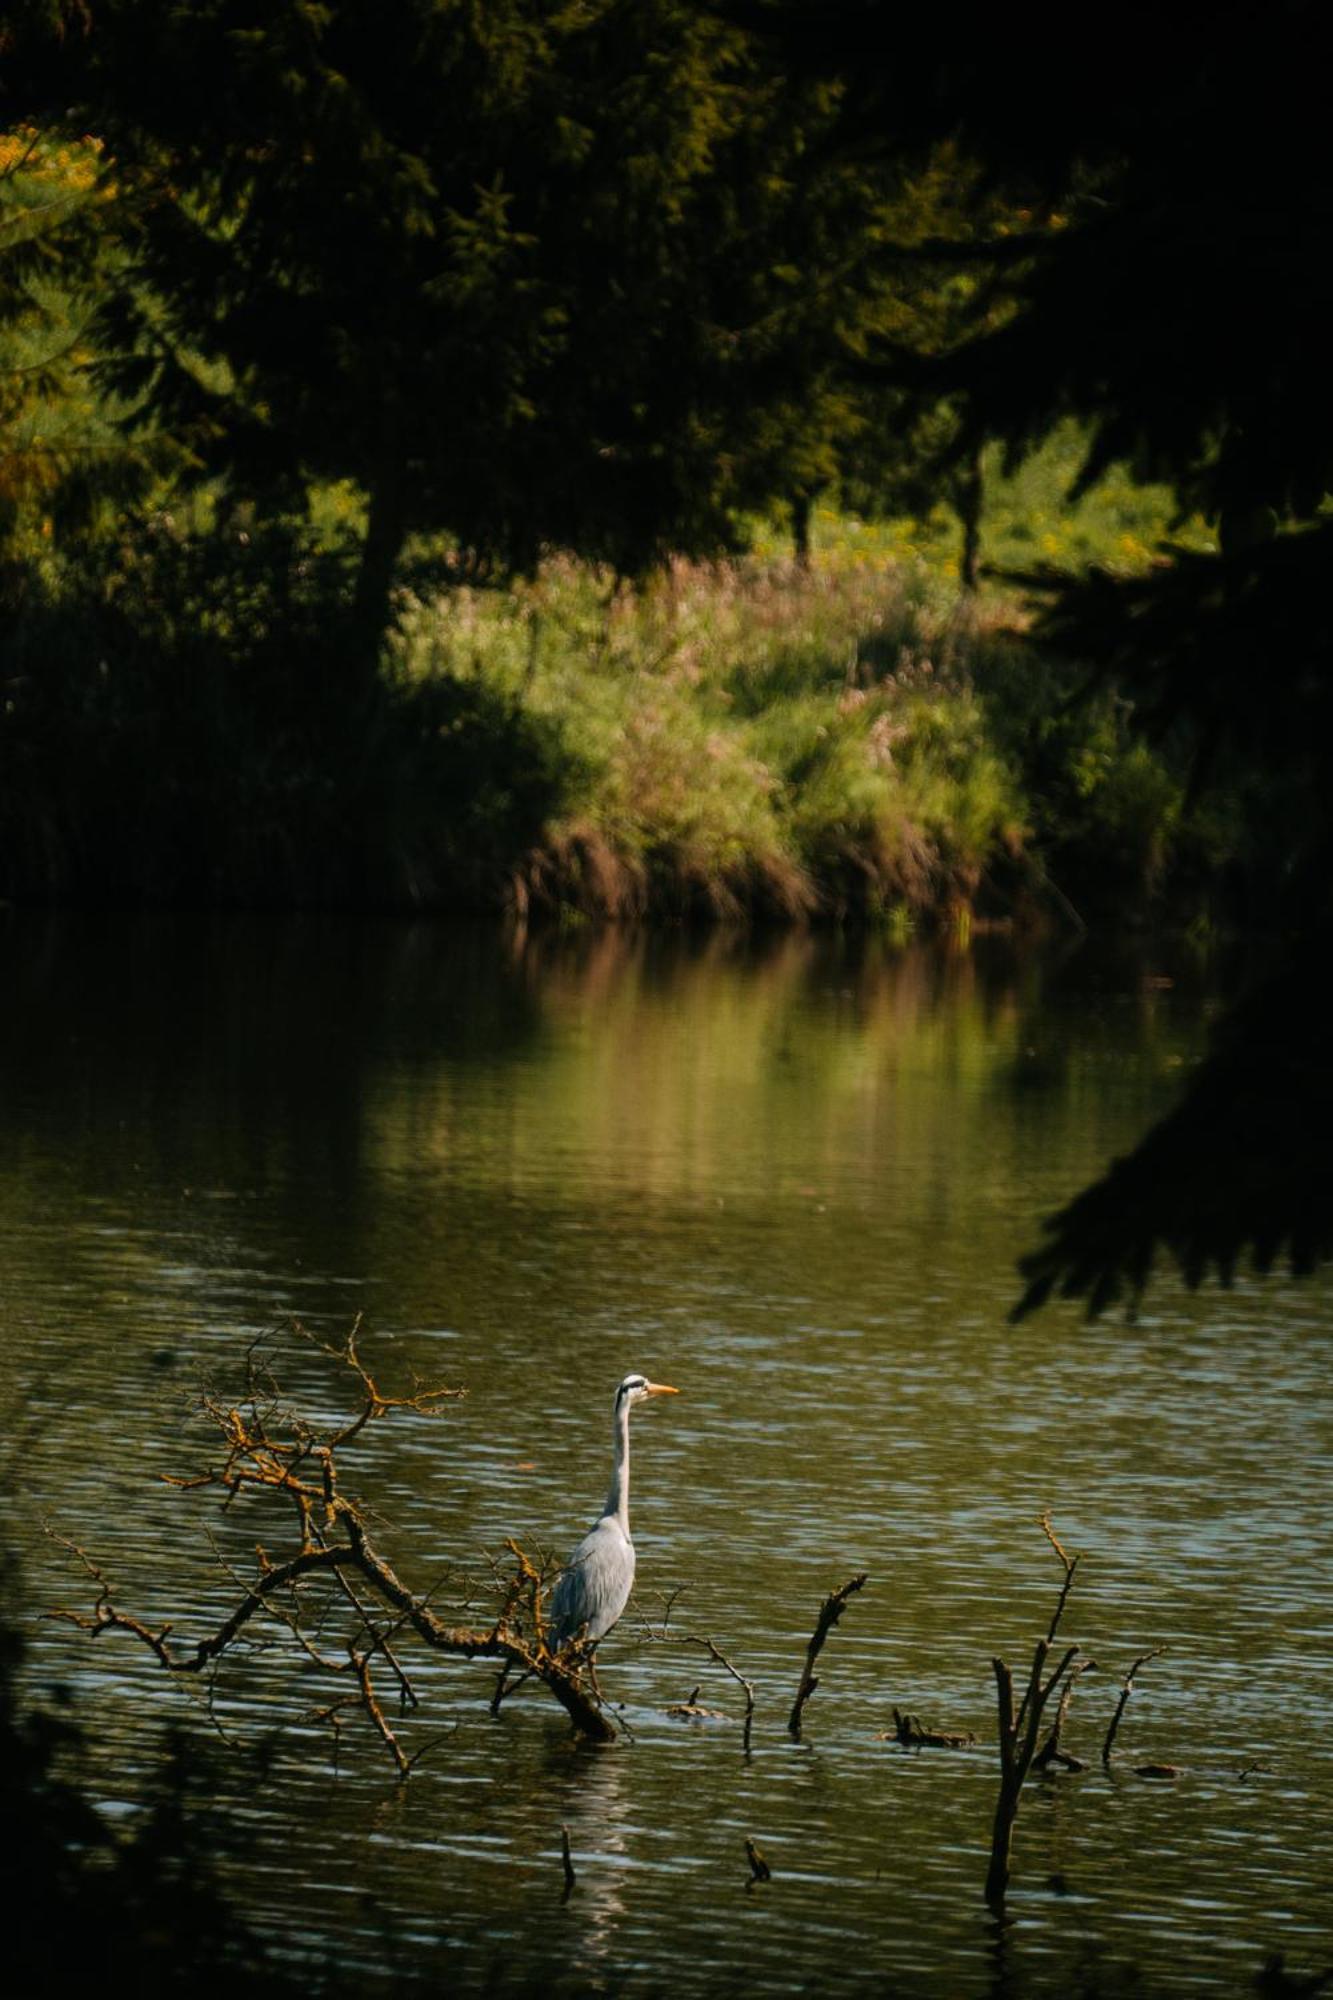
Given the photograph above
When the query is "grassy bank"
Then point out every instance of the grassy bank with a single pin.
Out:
(741, 738)
(852, 740)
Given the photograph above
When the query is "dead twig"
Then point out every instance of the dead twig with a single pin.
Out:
(1126, 1690)
(669, 1601)
(571, 1879)
(360, 1663)
(660, 1635)
(912, 1734)
(830, 1611)
(1070, 1565)
(715, 1652)
(1050, 1752)
(272, 1452)
(693, 1710)
(425, 1401)
(759, 1868)
(1020, 1727)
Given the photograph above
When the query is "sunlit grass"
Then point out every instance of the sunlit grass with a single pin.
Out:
(1028, 521)
(856, 736)
(853, 737)
(744, 735)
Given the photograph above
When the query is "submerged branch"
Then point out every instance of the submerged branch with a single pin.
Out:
(715, 1652)
(759, 1868)
(830, 1611)
(1126, 1690)
(270, 1450)
(1019, 1729)
(909, 1731)
(705, 1645)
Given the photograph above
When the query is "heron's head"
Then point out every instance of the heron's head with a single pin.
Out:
(637, 1388)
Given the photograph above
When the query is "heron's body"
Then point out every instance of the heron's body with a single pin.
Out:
(593, 1588)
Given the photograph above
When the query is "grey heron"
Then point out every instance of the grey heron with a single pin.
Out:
(593, 1588)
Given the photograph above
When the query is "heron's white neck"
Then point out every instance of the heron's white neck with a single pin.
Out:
(617, 1499)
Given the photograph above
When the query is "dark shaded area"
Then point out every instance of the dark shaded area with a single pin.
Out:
(491, 266)
(1239, 1170)
(1228, 655)
(146, 1911)
(1170, 289)
(178, 730)
(237, 1055)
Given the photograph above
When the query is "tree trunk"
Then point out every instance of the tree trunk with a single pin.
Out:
(802, 506)
(968, 494)
(1006, 1812)
(386, 531)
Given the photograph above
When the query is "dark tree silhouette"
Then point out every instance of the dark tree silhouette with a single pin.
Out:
(1172, 290)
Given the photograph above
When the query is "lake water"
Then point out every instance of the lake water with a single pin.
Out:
(790, 1176)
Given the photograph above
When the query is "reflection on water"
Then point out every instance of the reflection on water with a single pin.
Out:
(791, 1176)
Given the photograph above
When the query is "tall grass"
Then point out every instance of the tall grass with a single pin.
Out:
(752, 738)
(741, 737)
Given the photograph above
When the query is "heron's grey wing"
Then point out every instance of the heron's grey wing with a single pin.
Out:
(593, 1588)
(563, 1616)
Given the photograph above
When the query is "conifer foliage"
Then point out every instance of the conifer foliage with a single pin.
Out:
(506, 268)
(1174, 293)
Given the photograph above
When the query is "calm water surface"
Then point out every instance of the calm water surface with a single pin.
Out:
(791, 1178)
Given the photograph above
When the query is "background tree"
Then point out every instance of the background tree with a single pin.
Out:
(1173, 295)
(901, 275)
(56, 447)
(602, 276)
(515, 271)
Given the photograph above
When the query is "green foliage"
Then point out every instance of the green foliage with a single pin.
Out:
(726, 739)
(526, 275)
(67, 469)
(744, 737)
(44, 192)
(469, 286)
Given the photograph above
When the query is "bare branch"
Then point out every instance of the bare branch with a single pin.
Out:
(759, 1868)
(370, 1702)
(715, 1652)
(1004, 1690)
(1070, 1565)
(1126, 1690)
(663, 1637)
(1018, 1733)
(1050, 1752)
(830, 1611)
(268, 1449)
(376, 1404)
(912, 1734)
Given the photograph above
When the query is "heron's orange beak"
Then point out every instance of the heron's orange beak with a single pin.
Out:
(660, 1389)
